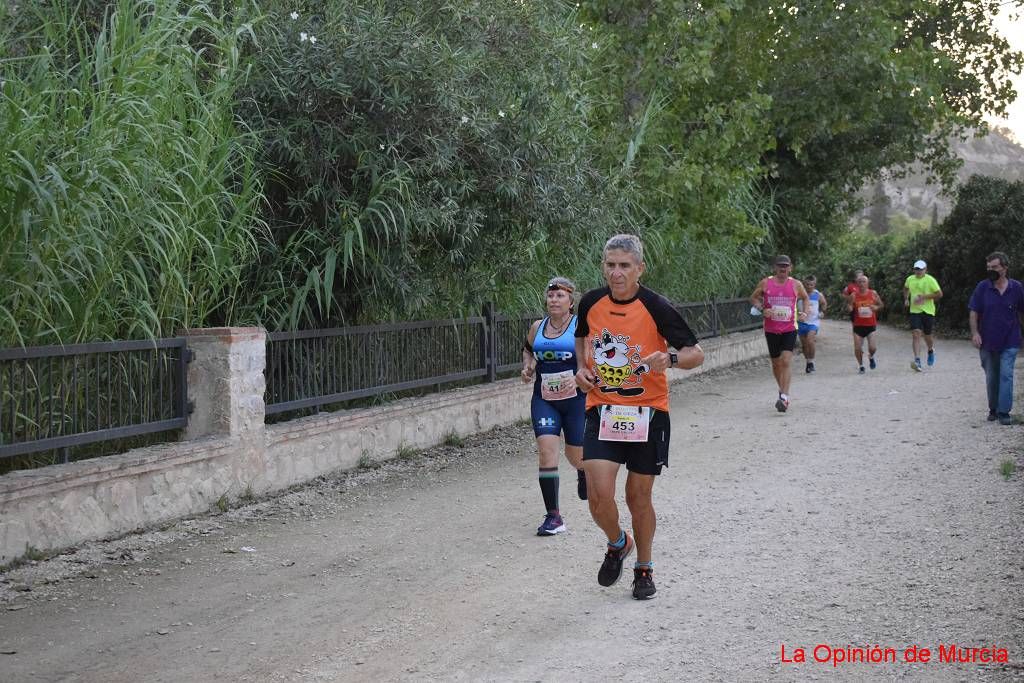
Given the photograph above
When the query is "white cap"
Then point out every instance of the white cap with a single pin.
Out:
(920, 264)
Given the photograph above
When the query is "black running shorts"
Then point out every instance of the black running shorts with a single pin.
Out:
(777, 343)
(922, 321)
(863, 330)
(643, 458)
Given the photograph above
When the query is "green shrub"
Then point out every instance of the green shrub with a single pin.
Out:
(420, 156)
(988, 216)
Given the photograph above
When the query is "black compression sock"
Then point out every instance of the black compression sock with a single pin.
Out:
(548, 477)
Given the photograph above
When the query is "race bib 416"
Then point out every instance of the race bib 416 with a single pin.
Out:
(557, 386)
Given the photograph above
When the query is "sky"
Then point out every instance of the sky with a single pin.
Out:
(1011, 25)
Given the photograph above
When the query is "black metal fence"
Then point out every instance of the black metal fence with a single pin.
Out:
(55, 397)
(319, 367)
(733, 315)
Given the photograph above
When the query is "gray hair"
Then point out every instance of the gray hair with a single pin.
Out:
(630, 244)
(559, 282)
(567, 286)
(1003, 259)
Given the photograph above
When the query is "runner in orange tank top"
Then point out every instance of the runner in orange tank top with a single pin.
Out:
(864, 305)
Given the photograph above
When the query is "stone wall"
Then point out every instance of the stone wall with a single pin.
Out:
(228, 449)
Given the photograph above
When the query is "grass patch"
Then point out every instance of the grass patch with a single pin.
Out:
(404, 452)
(366, 461)
(223, 504)
(32, 554)
(454, 440)
(1007, 468)
(248, 496)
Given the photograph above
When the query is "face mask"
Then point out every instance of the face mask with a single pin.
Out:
(993, 275)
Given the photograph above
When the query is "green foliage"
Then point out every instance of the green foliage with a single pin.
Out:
(366, 461)
(420, 155)
(883, 258)
(902, 224)
(170, 164)
(878, 219)
(988, 216)
(129, 196)
(406, 452)
(31, 555)
(248, 496)
(685, 138)
(799, 103)
(860, 87)
(453, 440)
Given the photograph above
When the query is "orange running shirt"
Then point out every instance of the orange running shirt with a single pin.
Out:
(861, 306)
(619, 334)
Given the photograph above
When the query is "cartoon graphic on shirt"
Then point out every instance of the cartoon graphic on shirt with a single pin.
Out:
(617, 363)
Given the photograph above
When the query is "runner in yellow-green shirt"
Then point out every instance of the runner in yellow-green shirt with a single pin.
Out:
(920, 292)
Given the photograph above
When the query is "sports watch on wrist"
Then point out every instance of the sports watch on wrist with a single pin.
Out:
(673, 359)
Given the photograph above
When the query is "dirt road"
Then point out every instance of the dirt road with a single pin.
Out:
(872, 513)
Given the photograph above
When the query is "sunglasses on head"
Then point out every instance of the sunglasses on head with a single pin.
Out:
(552, 286)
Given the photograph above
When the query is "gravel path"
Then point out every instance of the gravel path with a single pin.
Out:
(872, 513)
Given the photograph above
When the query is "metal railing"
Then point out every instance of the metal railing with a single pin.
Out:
(53, 398)
(315, 368)
(56, 397)
(509, 332)
(733, 315)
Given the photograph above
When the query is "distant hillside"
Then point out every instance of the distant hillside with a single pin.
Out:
(994, 155)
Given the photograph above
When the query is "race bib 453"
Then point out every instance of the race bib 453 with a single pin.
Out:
(624, 423)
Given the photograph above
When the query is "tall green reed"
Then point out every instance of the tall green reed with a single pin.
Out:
(129, 197)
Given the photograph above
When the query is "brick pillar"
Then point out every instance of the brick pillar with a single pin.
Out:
(225, 381)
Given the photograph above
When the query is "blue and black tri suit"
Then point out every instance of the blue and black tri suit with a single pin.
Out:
(563, 415)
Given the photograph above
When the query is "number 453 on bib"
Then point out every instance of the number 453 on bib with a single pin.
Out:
(624, 423)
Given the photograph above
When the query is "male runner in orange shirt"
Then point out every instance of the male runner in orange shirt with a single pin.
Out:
(622, 345)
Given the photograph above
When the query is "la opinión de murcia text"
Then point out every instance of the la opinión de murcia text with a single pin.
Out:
(842, 655)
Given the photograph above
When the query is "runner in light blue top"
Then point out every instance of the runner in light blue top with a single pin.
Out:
(557, 408)
(808, 328)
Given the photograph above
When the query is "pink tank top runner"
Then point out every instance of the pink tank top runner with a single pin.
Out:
(779, 306)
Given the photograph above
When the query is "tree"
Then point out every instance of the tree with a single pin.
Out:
(860, 87)
(878, 219)
(422, 156)
(801, 103)
(988, 216)
(681, 142)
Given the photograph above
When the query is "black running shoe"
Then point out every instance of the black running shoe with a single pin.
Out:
(611, 568)
(643, 583)
(581, 484)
